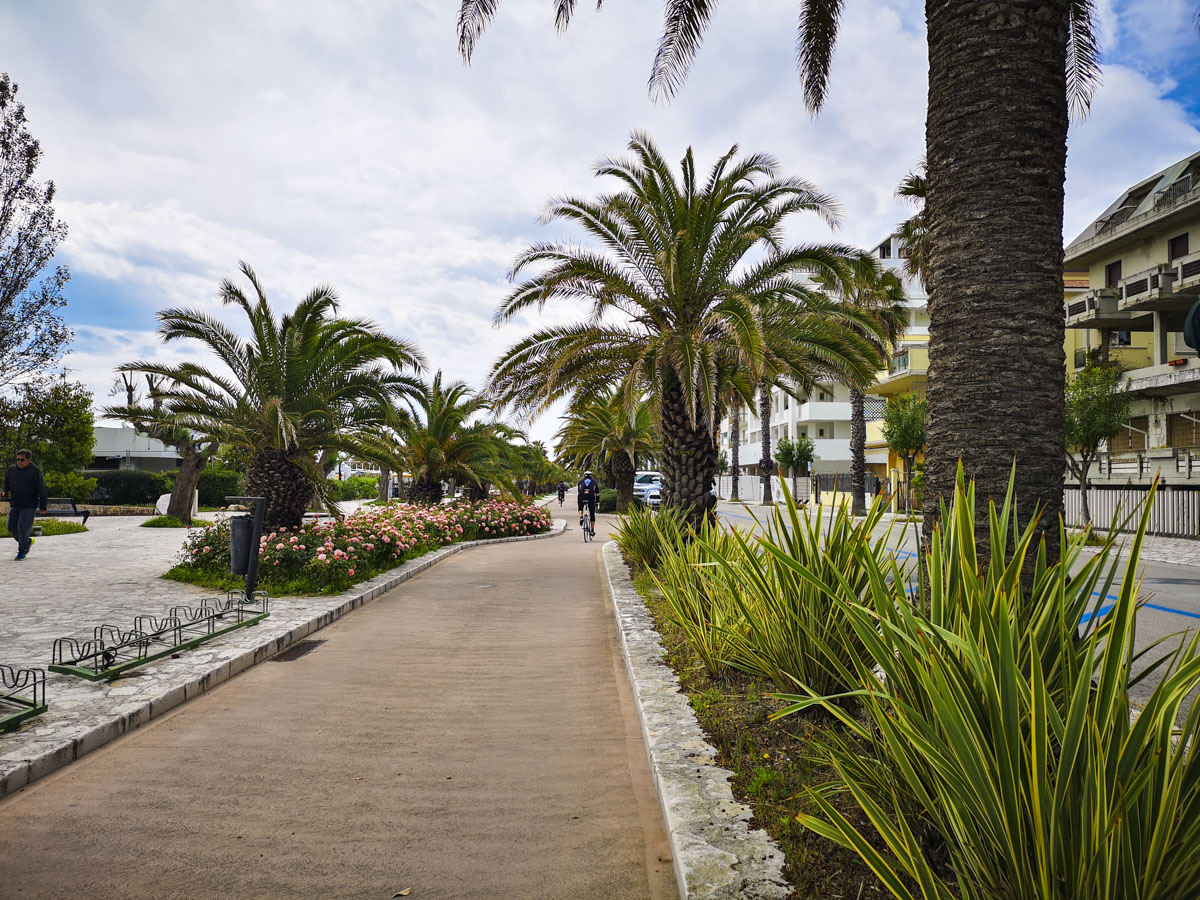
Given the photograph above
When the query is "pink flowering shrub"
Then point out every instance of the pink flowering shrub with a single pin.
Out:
(329, 556)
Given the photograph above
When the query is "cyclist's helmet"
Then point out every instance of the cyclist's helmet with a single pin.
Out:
(587, 474)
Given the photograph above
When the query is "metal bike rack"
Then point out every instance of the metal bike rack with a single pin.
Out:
(22, 695)
(111, 651)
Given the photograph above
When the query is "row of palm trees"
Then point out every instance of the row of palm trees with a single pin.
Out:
(305, 387)
(691, 303)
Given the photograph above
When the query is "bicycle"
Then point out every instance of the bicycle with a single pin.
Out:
(585, 525)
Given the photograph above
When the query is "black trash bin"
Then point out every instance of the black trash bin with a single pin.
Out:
(241, 534)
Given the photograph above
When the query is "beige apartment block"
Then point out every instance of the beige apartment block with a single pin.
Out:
(1141, 258)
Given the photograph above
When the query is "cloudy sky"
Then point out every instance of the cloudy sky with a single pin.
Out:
(346, 143)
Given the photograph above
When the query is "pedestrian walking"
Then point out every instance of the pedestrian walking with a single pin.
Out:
(25, 490)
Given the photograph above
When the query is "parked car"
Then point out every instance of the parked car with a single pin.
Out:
(644, 481)
(652, 496)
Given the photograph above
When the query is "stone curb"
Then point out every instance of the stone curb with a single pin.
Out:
(22, 766)
(717, 855)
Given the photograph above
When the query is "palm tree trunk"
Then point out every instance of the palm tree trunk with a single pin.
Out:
(689, 457)
(996, 143)
(735, 441)
(858, 453)
(766, 464)
(426, 490)
(278, 478)
(623, 472)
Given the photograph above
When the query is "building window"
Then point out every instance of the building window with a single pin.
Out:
(885, 250)
(1183, 429)
(820, 432)
(1177, 247)
(1112, 274)
(821, 395)
(1122, 339)
(1132, 438)
(785, 401)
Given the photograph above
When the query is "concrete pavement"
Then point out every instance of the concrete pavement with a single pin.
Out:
(468, 734)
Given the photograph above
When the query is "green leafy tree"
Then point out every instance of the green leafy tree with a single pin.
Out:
(1003, 75)
(195, 450)
(303, 383)
(53, 418)
(1098, 403)
(673, 301)
(795, 455)
(33, 335)
(904, 431)
(599, 432)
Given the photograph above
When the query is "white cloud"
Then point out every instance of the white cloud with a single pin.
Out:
(346, 143)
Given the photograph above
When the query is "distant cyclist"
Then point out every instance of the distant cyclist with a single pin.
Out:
(589, 492)
(562, 493)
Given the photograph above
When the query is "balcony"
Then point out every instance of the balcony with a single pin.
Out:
(1100, 308)
(824, 411)
(907, 369)
(1187, 274)
(1152, 290)
(1166, 380)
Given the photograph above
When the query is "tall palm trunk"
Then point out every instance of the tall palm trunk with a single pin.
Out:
(426, 490)
(996, 141)
(623, 474)
(858, 453)
(735, 446)
(766, 465)
(384, 494)
(277, 477)
(689, 457)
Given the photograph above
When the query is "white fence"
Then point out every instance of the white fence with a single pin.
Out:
(1176, 510)
(750, 487)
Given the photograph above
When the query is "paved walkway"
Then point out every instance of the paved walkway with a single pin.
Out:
(468, 734)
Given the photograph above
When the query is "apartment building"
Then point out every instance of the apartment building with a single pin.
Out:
(1141, 259)
(907, 370)
(824, 414)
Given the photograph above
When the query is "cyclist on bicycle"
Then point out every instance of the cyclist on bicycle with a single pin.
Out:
(562, 493)
(589, 492)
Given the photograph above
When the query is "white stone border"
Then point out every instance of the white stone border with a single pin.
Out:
(717, 855)
(19, 767)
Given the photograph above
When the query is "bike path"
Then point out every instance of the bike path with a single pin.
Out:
(468, 734)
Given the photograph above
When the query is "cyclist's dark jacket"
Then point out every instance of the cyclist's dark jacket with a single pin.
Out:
(588, 492)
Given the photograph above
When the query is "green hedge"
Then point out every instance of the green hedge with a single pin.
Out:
(607, 501)
(130, 487)
(217, 484)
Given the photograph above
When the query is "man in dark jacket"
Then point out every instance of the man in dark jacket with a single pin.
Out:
(25, 490)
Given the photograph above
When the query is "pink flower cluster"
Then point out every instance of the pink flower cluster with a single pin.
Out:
(374, 539)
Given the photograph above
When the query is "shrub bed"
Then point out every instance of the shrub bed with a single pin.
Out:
(50, 527)
(172, 522)
(329, 557)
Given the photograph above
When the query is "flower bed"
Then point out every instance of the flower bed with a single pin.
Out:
(329, 557)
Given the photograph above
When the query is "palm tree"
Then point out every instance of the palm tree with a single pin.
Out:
(442, 443)
(670, 299)
(914, 231)
(1002, 74)
(878, 294)
(808, 340)
(301, 385)
(602, 431)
